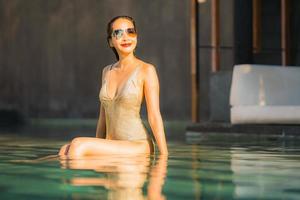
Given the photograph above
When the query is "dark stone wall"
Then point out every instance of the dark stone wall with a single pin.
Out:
(270, 52)
(270, 33)
(295, 32)
(52, 53)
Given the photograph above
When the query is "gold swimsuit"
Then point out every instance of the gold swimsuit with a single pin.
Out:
(122, 112)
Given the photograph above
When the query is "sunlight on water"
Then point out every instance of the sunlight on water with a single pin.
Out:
(236, 167)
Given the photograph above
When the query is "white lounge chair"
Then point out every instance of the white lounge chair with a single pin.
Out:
(265, 94)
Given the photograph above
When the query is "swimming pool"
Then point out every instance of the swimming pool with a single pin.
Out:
(214, 166)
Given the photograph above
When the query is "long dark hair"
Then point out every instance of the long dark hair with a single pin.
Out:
(110, 29)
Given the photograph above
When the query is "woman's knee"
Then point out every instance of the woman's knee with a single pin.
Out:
(77, 147)
(79, 142)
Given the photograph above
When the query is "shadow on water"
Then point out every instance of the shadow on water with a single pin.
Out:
(11, 119)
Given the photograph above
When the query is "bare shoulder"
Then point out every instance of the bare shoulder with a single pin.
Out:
(104, 71)
(106, 68)
(147, 68)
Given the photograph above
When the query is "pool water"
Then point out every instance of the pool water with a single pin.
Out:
(214, 166)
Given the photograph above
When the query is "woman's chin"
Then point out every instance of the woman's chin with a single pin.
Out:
(126, 51)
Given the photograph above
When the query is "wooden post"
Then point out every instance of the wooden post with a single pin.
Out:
(215, 30)
(256, 25)
(193, 52)
(285, 33)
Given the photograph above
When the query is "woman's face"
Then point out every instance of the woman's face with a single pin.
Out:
(124, 37)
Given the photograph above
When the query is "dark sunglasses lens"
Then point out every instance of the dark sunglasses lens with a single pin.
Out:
(131, 32)
(118, 33)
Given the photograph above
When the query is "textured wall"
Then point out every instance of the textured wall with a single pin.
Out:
(52, 53)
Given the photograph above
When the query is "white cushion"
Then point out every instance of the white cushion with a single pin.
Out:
(265, 85)
(262, 94)
(265, 115)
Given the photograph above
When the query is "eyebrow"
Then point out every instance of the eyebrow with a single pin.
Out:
(123, 28)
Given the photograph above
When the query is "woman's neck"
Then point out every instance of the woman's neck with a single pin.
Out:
(126, 60)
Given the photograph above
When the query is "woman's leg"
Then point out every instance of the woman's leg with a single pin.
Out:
(89, 146)
(64, 150)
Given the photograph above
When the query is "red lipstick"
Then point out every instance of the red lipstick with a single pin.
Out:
(126, 45)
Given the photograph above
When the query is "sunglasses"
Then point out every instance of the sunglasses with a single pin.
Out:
(118, 33)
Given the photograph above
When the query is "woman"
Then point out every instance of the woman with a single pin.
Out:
(124, 84)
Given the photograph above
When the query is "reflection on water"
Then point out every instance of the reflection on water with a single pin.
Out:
(207, 167)
(267, 173)
(125, 176)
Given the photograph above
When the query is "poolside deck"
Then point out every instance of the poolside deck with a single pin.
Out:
(272, 129)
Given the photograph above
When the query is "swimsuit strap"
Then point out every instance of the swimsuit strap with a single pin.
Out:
(108, 73)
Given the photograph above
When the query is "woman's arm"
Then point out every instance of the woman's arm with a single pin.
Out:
(151, 88)
(101, 125)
